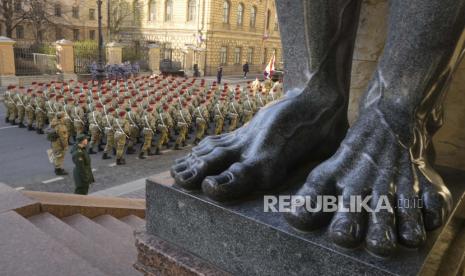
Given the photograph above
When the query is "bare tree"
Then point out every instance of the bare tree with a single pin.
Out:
(11, 15)
(120, 12)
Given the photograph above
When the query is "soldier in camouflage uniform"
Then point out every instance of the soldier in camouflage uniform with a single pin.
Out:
(59, 143)
(20, 97)
(201, 116)
(150, 126)
(183, 121)
(68, 110)
(96, 127)
(40, 111)
(164, 124)
(12, 111)
(30, 109)
(134, 120)
(219, 112)
(107, 120)
(234, 112)
(122, 129)
(79, 117)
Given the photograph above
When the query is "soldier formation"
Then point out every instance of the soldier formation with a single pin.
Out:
(150, 111)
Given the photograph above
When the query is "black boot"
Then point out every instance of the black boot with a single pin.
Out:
(114, 151)
(130, 150)
(13, 122)
(40, 131)
(196, 141)
(123, 161)
(101, 147)
(118, 162)
(176, 147)
(184, 144)
(91, 151)
(157, 151)
(30, 127)
(59, 171)
(142, 155)
(106, 156)
(21, 125)
(7, 120)
(151, 153)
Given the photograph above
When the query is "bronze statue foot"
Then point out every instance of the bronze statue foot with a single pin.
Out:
(372, 161)
(260, 155)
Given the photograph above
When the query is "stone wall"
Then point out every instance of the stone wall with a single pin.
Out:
(450, 140)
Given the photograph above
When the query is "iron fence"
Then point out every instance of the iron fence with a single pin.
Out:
(137, 54)
(85, 53)
(35, 59)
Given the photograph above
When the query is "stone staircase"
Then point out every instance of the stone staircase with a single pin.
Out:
(37, 239)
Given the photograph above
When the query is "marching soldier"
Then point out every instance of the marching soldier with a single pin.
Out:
(30, 109)
(68, 110)
(59, 141)
(234, 113)
(219, 116)
(40, 111)
(108, 123)
(96, 127)
(149, 123)
(164, 124)
(183, 120)
(12, 111)
(79, 117)
(121, 127)
(201, 116)
(249, 108)
(134, 123)
(20, 107)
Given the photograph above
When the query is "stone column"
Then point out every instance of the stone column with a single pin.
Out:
(7, 62)
(65, 59)
(188, 68)
(154, 58)
(114, 53)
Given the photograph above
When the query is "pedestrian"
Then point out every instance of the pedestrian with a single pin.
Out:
(219, 74)
(245, 69)
(82, 172)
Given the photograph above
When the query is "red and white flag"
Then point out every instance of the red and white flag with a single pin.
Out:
(269, 70)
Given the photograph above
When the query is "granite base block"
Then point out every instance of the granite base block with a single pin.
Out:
(158, 257)
(242, 239)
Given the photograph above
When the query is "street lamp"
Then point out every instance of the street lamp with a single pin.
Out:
(100, 64)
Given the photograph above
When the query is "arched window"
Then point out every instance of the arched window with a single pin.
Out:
(268, 19)
(152, 10)
(226, 7)
(191, 10)
(253, 16)
(168, 10)
(240, 14)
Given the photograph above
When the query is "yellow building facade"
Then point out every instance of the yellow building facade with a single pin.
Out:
(222, 32)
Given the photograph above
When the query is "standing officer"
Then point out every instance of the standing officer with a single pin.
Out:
(82, 172)
(59, 140)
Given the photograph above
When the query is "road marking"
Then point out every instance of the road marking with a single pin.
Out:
(166, 151)
(7, 127)
(52, 180)
(112, 165)
(19, 188)
(94, 170)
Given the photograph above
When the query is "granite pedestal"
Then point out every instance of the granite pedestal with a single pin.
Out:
(241, 239)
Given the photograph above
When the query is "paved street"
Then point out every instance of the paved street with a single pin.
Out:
(24, 163)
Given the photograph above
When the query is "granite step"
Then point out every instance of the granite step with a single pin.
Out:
(123, 249)
(82, 245)
(26, 250)
(116, 226)
(134, 221)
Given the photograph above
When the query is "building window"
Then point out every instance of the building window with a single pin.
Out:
(76, 12)
(265, 56)
(223, 55)
(18, 5)
(19, 32)
(40, 35)
(58, 10)
(58, 34)
(268, 15)
(191, 10)
(226, 7)
(168, 10)
(152, 10)
(253, 17)
(250, 55)
(91, 14)
(76, 34)
(92, 34)
(240, 14)
(237, 55)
